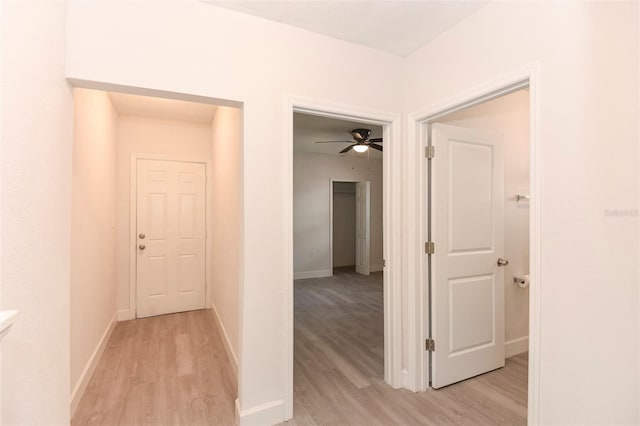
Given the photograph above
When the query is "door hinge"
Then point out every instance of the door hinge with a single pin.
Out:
(429, 247)
(384, 263)
(430, 345)
(430, 151)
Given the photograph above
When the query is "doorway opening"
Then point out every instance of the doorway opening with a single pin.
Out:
(350, 227)
(480, 189)
(338, 216)
(157, 199)
(352, 306)
(343, 225)
(481, 224)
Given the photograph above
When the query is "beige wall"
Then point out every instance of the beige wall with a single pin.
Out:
(311, 212)
(344, 225)
(226, 229)
(93, 236)
(36, 117)
(141, 135)
(509, 116)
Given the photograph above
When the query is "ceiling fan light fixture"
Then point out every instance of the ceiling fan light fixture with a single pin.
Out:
(360, 148)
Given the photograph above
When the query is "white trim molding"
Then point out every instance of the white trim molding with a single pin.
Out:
(416, 166)
(90, 367)
(233, 359)
(392, 229)
(516, 346)
(125, 315)
(260, 415)
(312, 274)
(7, 318)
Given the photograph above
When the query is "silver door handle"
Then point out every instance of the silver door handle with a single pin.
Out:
(502, 262)
(142, 247)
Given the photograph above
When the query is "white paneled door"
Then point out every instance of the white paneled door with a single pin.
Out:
(170, 237)
(468, 232)
(363, 228)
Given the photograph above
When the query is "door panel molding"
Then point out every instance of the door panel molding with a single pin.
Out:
(467, 286)
(130, 313)
(171, 259)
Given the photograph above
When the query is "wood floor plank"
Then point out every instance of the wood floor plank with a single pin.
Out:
(339, 366)
(173, 370)
(165, 370)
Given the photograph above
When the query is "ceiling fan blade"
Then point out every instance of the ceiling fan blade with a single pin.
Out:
(379, 140)
(374, 146)
(357, 135)
(334, 142)
(347, 149)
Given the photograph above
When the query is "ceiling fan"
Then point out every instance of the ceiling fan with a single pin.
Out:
(361, 142)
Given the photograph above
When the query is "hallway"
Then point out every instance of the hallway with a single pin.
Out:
(338, 366)
(163, 370)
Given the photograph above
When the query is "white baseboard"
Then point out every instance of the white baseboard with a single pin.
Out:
(269, 413)
(375, 268)
(85, 377)
(405, 380)
(516, 346)
(312, 274)
(125, 315)
(227, 343)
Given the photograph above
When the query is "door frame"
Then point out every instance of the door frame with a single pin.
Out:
(331, 181)
(133, 238)
(392, 213)
(417, 128)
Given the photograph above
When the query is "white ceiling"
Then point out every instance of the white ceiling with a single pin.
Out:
(308, 129)
(166, 109)
(395, 26)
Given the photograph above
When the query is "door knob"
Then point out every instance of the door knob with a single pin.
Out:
(502, 262)
(142, 247)
(141, 236)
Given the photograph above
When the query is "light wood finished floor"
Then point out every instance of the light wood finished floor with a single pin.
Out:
(173, 370)
(165, 370)
(339, 378)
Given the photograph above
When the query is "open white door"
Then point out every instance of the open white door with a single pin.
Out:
(363, 228)
(170, 237)
(467, 226)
